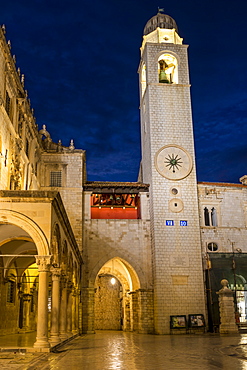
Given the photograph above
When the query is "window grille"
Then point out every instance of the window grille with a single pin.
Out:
(10, 291)
(56, 178)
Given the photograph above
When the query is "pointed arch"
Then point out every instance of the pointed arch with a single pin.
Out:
(121, 269)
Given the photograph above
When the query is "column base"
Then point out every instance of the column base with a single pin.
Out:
(228, 329)
(41, 343)
(63, 336)
(54, 340)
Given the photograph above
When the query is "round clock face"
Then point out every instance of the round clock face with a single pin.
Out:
(173, 162)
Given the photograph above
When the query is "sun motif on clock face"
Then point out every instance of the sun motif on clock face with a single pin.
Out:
(173, 162)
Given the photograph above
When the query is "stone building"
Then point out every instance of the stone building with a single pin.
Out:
(77, 256)
(40, 227)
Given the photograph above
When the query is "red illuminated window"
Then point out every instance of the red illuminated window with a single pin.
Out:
(115, 206)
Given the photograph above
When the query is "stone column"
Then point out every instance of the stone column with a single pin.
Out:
(69, 312)
(227, 310)
(74, 312)
(63, 311)
(55, 306)
(26, 310)
(78, 310)
(43, 263)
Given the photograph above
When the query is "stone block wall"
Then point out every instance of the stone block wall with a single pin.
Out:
(126, 239)
(146, 311)
(87, 311)
(71, 164)
(230, 202)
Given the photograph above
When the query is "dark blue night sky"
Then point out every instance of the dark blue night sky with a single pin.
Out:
(80, 61)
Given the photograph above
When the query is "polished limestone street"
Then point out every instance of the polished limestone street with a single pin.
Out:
(108, 350)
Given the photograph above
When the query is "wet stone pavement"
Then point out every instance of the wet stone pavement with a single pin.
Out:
(108, 350)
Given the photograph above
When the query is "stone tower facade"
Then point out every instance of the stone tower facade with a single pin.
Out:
(168, 165)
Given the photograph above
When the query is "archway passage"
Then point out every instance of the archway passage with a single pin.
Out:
(115, 286)
(108, 303)
(18, 280)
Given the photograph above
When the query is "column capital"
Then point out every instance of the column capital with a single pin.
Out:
(56, 272)
(27, 297)
(43, 263)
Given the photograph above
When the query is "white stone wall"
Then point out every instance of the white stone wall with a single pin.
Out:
(166, 119)
(126, 239)
(230, 202)
(72, 167)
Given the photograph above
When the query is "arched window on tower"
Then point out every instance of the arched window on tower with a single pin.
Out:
(214, 217)
(167, 69)
(206, 217)
(210, 217)
(143, 79)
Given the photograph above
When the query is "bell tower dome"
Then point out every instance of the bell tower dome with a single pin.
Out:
(168, 165)
(160, 21)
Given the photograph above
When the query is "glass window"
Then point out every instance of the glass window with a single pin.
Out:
(212, 247)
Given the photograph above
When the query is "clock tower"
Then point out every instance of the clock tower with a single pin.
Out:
(168, 165)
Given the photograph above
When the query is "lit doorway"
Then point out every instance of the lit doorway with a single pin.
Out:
(108, 303)
(115, 299)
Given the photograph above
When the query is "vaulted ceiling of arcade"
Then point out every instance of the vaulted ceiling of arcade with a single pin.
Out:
(17, 251)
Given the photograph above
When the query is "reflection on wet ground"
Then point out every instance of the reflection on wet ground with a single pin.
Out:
(108, 350)
(18, 340)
